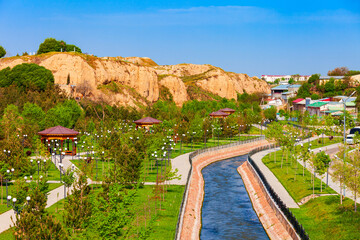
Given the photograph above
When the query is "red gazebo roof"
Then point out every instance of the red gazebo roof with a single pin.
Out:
(227, 110)
(58, 130)
(147, 120)
(219, 113)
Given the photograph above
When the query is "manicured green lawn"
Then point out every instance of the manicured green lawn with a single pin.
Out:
(325, 218)
(302, 186)
(164, 221)
(322, 217)
(299, 188)
(323, 142)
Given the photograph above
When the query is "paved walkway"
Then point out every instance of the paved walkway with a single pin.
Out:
(272, 180)
(181, 163)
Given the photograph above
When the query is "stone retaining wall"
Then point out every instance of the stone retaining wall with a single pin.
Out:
(192, 217)
(259, 199)
(279, 215)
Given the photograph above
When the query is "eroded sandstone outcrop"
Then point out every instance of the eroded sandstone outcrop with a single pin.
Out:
(132, 81)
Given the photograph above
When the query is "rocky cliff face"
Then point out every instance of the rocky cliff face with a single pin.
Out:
(133, 81)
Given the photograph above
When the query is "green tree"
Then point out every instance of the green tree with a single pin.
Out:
(321, 164)
(2, 51)
(314, 78)
(112, 212)
(11, 121)
(65, 114)
(352, 174)
(51, 45)
(304, 90)
(71, 48)
(78, 208)
(270, 113)
(35, 223)
(315, 96)
(26, 76)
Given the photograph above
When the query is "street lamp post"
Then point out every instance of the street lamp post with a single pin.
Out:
(38, 164)
(205, 136)
(183, 135)
(17, 209)
(60, 167)
(9, 172)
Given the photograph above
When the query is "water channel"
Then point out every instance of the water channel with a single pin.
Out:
(227, 212)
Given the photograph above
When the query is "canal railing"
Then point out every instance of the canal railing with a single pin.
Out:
(186, 191)
(274, 197)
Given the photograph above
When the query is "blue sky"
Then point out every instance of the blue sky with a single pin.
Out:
(253, 37)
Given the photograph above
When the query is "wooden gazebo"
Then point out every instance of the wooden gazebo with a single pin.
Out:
(218, 114)
(61, 135)
(227, 110)
(146, 122)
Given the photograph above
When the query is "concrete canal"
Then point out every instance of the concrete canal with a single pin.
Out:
(227, 212)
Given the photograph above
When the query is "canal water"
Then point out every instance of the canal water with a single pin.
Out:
(227, 212)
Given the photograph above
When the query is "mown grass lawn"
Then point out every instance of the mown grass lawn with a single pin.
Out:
(325, 218)
(164, 221)
(298, 188)
(322, 217)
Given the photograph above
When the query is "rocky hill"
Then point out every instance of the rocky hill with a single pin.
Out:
(135, 81)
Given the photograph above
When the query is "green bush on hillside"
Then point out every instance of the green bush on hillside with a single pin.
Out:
(2, 51)
(53, 45)
(28, 76)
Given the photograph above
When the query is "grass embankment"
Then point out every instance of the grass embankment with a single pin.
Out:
(322, 217)
(164, 221)
(325, 218)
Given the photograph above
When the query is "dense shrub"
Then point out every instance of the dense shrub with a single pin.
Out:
(27, 76)
(53, 45)
(2, 52)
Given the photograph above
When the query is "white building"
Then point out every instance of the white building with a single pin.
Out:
(284, 78)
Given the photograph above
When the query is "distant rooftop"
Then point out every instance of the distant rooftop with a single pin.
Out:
(334, 77)
(317, 104)
(286, 86)
(298, 100)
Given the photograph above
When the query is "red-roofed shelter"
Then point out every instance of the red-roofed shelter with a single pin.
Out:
(60, 134)
(227, 110)
(219, 114)
(147, 122)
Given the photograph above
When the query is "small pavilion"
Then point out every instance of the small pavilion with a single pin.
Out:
(147, 122)
(227, 110)
(60, 135)
(219, 114)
